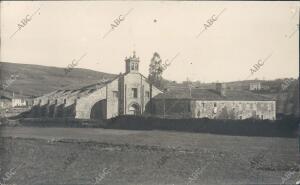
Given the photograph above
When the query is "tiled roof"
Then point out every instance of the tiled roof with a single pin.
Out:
(211, 95)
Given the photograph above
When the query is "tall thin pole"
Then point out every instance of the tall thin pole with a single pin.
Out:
(189, 86)
(164, 107)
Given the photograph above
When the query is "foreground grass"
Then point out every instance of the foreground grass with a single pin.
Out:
(98, 156)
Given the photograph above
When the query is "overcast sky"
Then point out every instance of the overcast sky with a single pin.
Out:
(244, 33)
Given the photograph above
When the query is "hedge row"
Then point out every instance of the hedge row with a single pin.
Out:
(286, 127)
(282, 128)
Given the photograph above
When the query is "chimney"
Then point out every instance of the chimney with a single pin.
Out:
(221, 88)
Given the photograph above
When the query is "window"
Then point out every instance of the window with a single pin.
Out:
(132, 66)
(262, 116)
(215, 104)
(147, 94)
(241, 117)
(115, 94)
(65, 101)
(134, 92)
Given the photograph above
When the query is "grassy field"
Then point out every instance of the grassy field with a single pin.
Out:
(120, 157)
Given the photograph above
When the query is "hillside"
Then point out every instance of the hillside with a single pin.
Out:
(35, 80)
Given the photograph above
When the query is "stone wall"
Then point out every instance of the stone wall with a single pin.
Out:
(172, 108)
(234, 109)
(84, 104)
(112, 91)
(184, 108)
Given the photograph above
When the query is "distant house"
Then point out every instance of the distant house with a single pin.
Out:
(5, 102)
(255, 86)
(18, 101)
(218, 103)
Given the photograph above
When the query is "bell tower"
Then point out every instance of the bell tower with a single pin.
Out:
(132, 64)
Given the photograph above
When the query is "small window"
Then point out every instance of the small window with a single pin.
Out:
(262, 116)
(215, 104)
(241, 117)
(134, 92)
(147, 94)
(203, 104)
(132, 66)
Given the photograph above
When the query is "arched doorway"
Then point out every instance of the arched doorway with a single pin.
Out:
(98, 110)
(134, 109)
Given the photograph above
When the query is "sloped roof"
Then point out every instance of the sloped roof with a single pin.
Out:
(2, 97)
(85, 90)
(211, 95)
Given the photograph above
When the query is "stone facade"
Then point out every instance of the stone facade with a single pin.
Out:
(234, 109)
(217, 103)
(128, 93)
(189, 108)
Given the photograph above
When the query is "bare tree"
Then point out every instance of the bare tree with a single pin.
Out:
(155, 71)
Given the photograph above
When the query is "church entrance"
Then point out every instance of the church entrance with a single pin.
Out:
(134, 109)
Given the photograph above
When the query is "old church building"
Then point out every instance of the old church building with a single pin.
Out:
(131, 94)
(128, 93)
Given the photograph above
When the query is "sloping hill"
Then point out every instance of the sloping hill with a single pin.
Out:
(35, 80)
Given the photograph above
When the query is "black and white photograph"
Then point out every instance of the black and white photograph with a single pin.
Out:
(149, 93)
